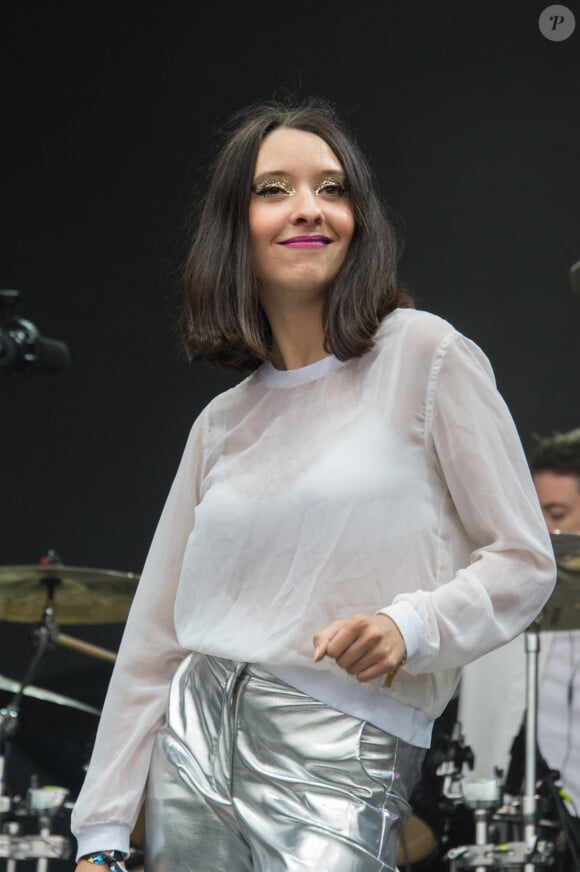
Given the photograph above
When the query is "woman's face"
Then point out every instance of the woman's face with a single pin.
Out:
(301, 220)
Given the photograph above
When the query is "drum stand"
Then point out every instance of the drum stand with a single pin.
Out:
(84, 596)
(42, 803)
(530, 854)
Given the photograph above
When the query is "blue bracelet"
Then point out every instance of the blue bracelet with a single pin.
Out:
(112, 860)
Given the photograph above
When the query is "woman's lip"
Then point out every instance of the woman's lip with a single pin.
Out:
(306, 242)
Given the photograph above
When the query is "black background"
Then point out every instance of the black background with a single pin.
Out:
(109, 113)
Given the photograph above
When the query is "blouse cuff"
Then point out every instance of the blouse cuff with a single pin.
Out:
(411, 628)
(103, 837)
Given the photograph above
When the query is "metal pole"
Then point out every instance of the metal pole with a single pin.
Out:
(529, 797)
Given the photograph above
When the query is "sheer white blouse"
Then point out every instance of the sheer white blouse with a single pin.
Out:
(392, 482)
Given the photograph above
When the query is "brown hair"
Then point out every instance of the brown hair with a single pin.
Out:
(559, 453)
(222, 320)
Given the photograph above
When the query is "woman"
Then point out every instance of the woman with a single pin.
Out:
(349, 525)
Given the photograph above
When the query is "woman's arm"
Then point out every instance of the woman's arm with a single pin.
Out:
(149, 654)
(476, 450)
(473, 446)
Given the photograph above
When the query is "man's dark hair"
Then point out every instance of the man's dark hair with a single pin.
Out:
(559, 453)
(222, 319)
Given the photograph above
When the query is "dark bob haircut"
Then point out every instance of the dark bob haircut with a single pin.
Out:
(222, 320)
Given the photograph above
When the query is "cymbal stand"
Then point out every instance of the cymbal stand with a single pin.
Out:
(529, 802)
(10, 713)
(12, 845)
(45, 636)
(8, 723)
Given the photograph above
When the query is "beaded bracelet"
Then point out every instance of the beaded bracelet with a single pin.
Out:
(112, 859)
(390, 675)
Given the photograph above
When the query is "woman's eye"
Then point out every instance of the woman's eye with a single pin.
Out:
(272, 189)
(332, 188)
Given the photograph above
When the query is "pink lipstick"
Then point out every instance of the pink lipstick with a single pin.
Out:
(307, 242)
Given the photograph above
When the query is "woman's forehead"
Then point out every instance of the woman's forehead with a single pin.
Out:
(284, 149)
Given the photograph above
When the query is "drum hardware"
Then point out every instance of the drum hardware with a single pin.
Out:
(566, 828)
(42, 804)
(531, 853)
(78, 596)
(449, 757)
(45, 635)
(483, 797)
(506, 825)
(439, 816)
(45, 695)
(43, 845)
(512, 855)
(561, 612)
(449, 760)
(75, 595)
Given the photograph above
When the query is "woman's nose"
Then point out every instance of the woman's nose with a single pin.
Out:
(306, 207)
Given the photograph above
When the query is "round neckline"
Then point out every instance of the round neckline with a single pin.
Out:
(289, 377)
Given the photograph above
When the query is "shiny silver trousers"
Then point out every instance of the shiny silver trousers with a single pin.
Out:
(251, 774)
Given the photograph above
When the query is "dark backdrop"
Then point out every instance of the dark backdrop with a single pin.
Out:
(109, 113)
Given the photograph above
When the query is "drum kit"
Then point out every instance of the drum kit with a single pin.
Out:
(46, 595)
(74, 595)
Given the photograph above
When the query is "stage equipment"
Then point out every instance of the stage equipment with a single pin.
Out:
(536, 848)
(22, 348)
(73, 595)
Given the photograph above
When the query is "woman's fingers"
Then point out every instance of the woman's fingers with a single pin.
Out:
(367, 646)
(322, 639)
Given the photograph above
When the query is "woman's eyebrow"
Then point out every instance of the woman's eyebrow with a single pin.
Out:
(339, 173)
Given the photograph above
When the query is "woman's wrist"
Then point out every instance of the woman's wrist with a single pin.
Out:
(112, 859)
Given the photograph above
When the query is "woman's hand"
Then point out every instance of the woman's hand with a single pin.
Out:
(366, 646)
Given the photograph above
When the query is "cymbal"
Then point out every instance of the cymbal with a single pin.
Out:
(566, 548)
(45, 695)
(562, 611)
(80, 595)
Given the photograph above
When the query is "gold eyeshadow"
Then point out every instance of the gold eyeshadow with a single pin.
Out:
(264, 184)
(334, 181)
(285, 186)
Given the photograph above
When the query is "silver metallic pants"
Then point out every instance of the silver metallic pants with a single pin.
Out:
(251, 774)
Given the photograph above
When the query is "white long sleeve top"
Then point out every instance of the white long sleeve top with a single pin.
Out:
(392, 482)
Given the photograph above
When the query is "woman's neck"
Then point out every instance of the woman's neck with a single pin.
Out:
(297, 334)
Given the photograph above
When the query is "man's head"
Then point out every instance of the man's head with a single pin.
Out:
(556, 470)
